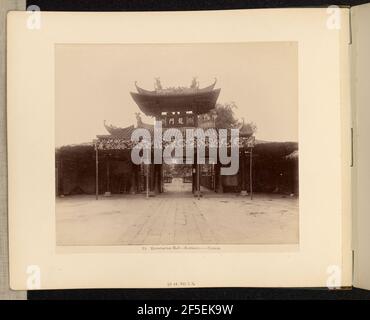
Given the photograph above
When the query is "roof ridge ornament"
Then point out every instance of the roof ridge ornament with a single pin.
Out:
(160, 90)
(139, 121)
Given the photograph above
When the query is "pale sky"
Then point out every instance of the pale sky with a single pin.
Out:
(93, 83)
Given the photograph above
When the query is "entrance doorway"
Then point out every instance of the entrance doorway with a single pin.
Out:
(177, 178)
(184, 179)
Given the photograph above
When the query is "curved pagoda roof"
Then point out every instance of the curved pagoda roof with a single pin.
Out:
(198, 100)
(119, 131)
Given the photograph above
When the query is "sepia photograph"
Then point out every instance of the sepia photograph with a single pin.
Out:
(148, 153)
(176, 144)
(217, 145)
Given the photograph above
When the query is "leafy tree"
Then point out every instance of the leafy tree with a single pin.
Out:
(225, 118)
(248, 128)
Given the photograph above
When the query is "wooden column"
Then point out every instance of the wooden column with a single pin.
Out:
(193, 178)
(243, 167)
(107, 192)
(213, 182)
(151, 180)
(158, 178)
(60, 178)
(147, 174)
(218, 178)
(138, 175)
(198, 181)
(57, 178)
(96, 172)
(251, 172)
(134, 179)
(161, 177)
(196, 177)
(241, 171)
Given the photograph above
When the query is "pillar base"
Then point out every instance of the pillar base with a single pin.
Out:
(243, 193)
(107, 194)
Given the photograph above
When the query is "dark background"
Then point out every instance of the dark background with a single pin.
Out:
(171, 5)
(201, 293)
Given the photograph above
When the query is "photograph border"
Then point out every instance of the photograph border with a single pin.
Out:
(70, 270)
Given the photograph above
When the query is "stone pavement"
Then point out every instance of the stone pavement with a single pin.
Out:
(176, 217)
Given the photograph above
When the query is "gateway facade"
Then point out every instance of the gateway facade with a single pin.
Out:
(178, 109)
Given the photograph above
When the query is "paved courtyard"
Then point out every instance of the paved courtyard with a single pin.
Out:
(176, 217)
